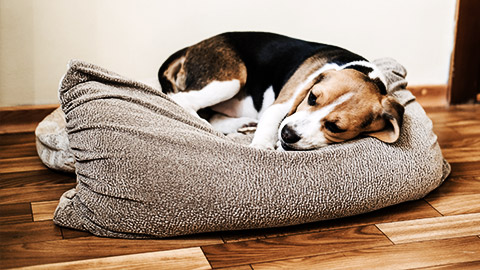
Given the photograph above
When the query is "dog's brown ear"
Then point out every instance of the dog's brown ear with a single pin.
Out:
(393, 117)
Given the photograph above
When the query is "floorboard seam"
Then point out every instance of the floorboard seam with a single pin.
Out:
(384, 234)
(433, 207)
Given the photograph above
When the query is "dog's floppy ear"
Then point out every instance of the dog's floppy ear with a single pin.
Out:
(301, 96)
(393, 117)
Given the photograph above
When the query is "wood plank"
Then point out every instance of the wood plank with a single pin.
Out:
(187, 258)
(465, 169)
(23, 118)
(21, 164)
(470, 110)
(457, 185)
(458, 204)
(404, 211)
(33, 193)
(432, 228)
(462, 154)
(239, 267)
(57, 251)
(446, 135)
(71, 233)
(451, 114)
(466, 127)
(17, 138)
(43, 210)
(15, 213)
(475, 265)
(35, 178)
(455, 140)
(18, 150)
(403, 256)
(248, 252)
(29, 232)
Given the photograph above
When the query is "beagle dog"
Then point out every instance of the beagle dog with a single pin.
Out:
(304, 95)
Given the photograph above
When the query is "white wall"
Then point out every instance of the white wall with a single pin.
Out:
(38, 37)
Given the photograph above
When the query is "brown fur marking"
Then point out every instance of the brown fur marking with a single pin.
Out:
(212, 60)
(361, 113)
(172, 73)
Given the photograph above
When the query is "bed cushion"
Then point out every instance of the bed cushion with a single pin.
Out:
(147, 168)
(52, 144)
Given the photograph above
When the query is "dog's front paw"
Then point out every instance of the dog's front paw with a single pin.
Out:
(263, 145)
(248, 128)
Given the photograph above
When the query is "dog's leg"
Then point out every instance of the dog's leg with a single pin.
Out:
(213, 93)
(266, 135)
(228, 125)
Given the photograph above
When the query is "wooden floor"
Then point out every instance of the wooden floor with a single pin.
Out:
(441, 231)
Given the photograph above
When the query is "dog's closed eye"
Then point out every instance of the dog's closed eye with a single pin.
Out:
(312, 99)
(332, 127)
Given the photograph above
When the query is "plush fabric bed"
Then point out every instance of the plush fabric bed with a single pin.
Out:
(147, 168)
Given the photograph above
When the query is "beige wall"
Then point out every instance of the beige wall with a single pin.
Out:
(38, 37)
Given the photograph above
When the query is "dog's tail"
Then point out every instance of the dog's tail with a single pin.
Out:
(171, 75)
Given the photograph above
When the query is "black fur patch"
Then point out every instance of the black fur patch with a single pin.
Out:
(164, 82)
(381, 86)
(270, 59)
(365, 70)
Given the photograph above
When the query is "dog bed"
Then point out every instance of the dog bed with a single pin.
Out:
(147, 168)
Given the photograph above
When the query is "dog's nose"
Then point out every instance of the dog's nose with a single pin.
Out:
(289, 135)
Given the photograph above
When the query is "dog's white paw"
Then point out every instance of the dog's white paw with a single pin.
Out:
(263, 145)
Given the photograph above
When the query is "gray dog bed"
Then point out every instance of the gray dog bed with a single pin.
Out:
(147, 168)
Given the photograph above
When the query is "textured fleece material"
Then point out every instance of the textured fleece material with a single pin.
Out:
(147, 168)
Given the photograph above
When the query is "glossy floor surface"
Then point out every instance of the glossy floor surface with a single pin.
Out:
(441, 231)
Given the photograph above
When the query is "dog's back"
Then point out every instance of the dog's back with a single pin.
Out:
(269, 60)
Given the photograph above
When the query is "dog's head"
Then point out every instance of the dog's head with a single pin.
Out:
(339, 105)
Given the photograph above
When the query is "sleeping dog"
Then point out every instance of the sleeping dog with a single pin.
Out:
(304, 95)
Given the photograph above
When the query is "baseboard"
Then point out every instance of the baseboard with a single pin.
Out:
(430, 95)
(23, 118)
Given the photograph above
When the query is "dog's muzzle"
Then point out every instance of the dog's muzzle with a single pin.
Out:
(288, 137)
